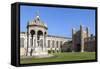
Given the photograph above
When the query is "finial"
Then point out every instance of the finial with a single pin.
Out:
(81, 26)
(37, 13)
(73, 28)
(86, 28)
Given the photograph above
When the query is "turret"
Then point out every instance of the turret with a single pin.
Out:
(87, 32)
(73, 42)
(82, 38)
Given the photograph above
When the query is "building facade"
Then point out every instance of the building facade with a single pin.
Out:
(37, 41)
(82, 41)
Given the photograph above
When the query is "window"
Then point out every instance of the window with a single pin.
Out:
(53, 44)
(22, 42)
(57, 43)
(48, 43)
(60, 43)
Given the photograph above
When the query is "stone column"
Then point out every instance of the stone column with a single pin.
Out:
(27, 40)
(29, 45)
(87, 35)
(59, 46)
(82, 39)
(36, 41)
(73, 43)
(33, 43)
(87, 31)
(25, 45)
(51, 45)
(45, 42)
(41, 44)
(55, 45)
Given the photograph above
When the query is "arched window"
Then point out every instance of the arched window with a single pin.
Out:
(57, 43)
(32, 32)
(39, 33)
(60, 43)
(22, 42)
(45, 33)
(48, 43)
(53, 44)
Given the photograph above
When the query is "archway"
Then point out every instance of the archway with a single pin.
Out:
(32, 32)
(78, 46)
(40, 42)
(45, 33)
(39, 33)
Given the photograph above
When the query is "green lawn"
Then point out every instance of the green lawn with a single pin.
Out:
(61, 57)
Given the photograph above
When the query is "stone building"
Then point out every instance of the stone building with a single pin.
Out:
(89, 44)
(36, 40)
(82, 41)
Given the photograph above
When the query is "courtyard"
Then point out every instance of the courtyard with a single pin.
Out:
(60, 57)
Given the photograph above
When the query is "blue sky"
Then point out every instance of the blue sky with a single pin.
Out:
(60, 21)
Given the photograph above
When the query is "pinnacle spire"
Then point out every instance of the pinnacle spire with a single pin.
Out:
(37, 17)
(37, 14)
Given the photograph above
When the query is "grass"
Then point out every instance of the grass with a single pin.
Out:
(59, 57)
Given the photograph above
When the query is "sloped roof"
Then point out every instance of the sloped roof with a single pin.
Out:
(37, 22)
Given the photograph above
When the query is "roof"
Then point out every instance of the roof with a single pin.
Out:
(22, 32)
(59, 36)
(51, 36)
(37, 22)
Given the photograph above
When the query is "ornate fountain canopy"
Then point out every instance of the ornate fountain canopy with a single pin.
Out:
(37, 22)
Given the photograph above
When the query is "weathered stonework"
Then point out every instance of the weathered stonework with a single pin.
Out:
(37, 41)
(82, 41)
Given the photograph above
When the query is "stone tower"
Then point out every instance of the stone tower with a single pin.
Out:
(82, 38)
(73, 42)
(87, 32)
